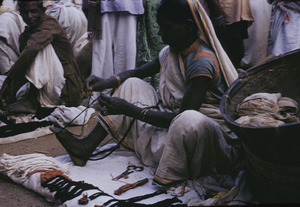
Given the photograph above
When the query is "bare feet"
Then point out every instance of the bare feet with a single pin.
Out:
(78, 150)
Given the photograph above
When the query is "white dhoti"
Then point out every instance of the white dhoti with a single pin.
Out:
(46, 73)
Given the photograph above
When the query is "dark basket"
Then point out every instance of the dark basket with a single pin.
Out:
(273, 153)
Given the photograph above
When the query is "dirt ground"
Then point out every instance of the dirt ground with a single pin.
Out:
(13, 195)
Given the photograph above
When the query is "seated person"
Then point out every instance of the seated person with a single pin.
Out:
(176, 132)
(12, 25)
(284, 27)
(46, 61)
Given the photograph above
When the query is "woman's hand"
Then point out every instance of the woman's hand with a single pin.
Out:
(114, 106)
(95, 83)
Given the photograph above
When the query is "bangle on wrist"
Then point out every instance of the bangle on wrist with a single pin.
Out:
(118, 79)
(143, 114)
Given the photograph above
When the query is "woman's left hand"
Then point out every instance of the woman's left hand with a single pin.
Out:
(113, 105)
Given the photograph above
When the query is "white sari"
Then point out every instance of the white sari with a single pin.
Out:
(172, 150)
(192, 146)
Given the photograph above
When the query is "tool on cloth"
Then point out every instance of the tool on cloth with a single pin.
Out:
(130, 169)
(127, 187)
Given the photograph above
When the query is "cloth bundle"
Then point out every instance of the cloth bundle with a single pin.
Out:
(71, 18)
(20, 165)
(267, 109)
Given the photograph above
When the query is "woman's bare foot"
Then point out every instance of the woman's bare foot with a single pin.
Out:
(78, 150)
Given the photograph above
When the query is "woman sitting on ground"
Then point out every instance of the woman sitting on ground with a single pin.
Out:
(176, 132)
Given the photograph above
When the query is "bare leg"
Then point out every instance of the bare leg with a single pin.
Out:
(80, 150)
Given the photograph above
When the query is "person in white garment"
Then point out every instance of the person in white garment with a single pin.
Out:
(115, 50)
(46, 63)
(256, 44)
(181, 133)
(12, 25)
(285, 27)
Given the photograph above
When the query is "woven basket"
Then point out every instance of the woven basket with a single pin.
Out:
(273, 153)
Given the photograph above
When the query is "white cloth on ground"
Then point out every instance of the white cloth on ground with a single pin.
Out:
(232, 191)
(99, 173)
(39, 132)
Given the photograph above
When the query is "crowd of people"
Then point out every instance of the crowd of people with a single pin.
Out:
(177, 127)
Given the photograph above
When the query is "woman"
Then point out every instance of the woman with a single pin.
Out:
(168, 132)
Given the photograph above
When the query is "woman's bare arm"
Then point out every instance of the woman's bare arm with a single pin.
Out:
(192, 100)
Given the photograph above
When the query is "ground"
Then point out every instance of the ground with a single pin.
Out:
(13, 195)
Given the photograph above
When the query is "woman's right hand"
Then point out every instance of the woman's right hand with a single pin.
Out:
(95, 83)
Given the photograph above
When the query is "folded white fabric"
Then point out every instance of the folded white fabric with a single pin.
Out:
(267, 109)
(19, 166)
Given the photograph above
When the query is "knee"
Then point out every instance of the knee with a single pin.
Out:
(138, 92)
(190, 119)
(192, 124)
(136, 86)
(131, 82)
